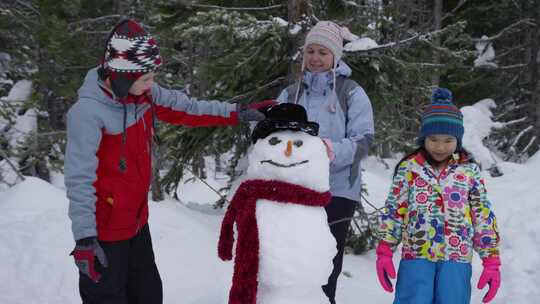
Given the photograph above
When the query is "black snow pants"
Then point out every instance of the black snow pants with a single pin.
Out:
(339, 208)
(131, 278)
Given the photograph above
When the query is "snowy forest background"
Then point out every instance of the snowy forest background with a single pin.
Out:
(487, 52)
(246, 50)
(243, 51)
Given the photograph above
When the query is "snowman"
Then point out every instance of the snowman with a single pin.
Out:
(284, 249)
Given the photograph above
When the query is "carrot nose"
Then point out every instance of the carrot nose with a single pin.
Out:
(288, 151)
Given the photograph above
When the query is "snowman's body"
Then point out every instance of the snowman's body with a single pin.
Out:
(296, 246)
(295, 253)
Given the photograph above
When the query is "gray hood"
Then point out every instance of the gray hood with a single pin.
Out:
(91, 89)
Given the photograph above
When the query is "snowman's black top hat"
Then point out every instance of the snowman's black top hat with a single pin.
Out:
(285, 116)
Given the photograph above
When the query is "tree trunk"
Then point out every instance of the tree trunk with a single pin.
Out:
(384, 30)
(535, 85)
(437, 25)
(297, 10)
(157, 162)
(122, 7)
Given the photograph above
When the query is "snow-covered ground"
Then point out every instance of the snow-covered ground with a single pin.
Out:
(35, 236)
(36, 240)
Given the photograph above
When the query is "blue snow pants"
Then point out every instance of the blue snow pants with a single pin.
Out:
(423, 282)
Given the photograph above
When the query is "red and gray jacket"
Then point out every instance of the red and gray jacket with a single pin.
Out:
(107, 180)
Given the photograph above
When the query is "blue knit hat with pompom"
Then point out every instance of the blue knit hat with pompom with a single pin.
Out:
(442, 117)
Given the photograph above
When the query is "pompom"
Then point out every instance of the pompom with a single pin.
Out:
(441, 95)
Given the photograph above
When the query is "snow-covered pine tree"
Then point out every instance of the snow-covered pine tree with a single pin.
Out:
(504, 68)
(233, 55)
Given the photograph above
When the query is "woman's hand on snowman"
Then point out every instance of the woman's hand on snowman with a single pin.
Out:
(329, 148)
(385, 266)
(490, 275)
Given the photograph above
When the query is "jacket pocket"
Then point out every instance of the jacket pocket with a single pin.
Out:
(103, 205)
(122, 202)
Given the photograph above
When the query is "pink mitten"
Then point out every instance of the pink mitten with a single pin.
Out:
(490, 275)
(385, 266)
(329, 148)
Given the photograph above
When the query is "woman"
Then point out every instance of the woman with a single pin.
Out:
(343, 111)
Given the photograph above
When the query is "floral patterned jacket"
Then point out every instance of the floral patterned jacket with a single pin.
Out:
(440, 217)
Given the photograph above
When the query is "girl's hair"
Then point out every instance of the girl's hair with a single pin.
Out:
(464, 157)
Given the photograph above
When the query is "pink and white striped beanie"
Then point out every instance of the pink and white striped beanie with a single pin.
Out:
(331, 36)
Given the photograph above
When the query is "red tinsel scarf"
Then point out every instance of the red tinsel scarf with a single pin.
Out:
(242, 211)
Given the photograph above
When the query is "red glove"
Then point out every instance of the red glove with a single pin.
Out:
(86, 252)
(490, 275)
(259, 105)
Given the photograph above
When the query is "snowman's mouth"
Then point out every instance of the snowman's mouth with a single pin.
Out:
(271, 162)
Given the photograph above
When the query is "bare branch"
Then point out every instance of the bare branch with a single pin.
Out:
(513, 66)
(98, 19)
(265, 8)
(52, 133)
(507, 29)
(519, 136)
(529, 144)
(91, 32)
(454, 10)
(426, 37)
(274, 82)
(510, 51)
(515, 121)
(389, 45)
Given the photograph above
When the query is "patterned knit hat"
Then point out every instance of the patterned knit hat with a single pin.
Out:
(130, 53)
(442, 117)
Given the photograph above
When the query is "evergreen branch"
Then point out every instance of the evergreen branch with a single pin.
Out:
(11, 165)
(29, 6)
(265, 8)
(247, 60)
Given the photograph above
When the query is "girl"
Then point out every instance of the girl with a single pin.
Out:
(438, 208)
(343, 111)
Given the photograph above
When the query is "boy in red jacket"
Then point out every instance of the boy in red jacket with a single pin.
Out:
(108, 165)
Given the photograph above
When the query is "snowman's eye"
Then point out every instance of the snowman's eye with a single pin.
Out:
(298, 143)
(274, 141)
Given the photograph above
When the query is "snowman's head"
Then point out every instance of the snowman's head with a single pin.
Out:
(290, 156)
